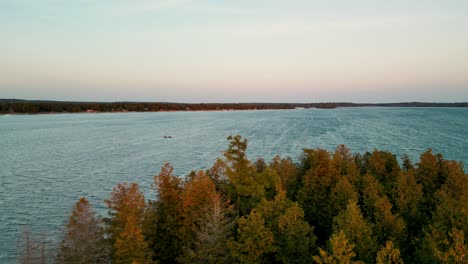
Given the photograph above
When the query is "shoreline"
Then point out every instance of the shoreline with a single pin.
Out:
(18, 106)
(223, 110)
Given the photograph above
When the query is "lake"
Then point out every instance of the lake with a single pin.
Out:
(48, 161)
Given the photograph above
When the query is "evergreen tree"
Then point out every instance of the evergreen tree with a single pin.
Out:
(288, 174)
(357, 230)
(253, 241)
(341, 194)
(388, 226)
(444, 236)
(428, 175)
(343, 161)
(389, 254)
(408, 197)
(245, 188)
(384, 167)
(164, 221)
(294, 238)
(341, 251)
(314, 194)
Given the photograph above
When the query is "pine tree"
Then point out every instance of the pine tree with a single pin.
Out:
(294, 238)
(254, 241)
(287, 172)
(341, 194)
(389, 254)
(245, 189)
(388, 226)
(314, 194)
(357, 230)
(341, 251)
(164, 221)
(444, 236)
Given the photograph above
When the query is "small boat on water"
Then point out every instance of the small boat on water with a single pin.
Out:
(167, 136)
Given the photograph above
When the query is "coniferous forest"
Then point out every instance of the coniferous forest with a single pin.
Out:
(330, 207)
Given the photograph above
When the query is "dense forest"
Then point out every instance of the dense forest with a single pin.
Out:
(330, 207)
(33, 107)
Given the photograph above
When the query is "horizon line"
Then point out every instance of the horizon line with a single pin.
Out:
(245, 102)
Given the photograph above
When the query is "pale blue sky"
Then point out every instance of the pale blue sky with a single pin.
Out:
(234, 51)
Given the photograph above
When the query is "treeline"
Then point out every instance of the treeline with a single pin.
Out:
(331, 207)
(32, 107)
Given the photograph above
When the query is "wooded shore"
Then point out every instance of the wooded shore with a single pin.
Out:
(12, 106)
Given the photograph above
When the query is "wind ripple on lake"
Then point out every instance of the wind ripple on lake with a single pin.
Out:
(48, 161)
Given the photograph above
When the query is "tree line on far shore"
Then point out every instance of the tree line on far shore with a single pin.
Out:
(330, 207)
(34, 107)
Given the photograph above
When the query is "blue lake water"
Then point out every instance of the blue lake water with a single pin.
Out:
(48, 161)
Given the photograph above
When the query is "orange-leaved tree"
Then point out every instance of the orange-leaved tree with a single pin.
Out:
(126, 208)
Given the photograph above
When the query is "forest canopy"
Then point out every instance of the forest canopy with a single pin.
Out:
(329, 207)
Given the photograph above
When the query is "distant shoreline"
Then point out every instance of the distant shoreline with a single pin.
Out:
(18, 106)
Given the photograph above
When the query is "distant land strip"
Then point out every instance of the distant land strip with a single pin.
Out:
(12, 106)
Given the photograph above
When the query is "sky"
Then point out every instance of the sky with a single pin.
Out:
(234, 51)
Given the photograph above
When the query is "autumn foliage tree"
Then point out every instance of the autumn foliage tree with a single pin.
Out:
(126, 207)
(164, 226)
(330, 207)
(84, 238)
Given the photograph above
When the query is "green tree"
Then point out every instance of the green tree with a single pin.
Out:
(389, 254)
(164, 221)
(343, 161)
(341, 194)
(341, 251)
(246, 188)
(388, 226)
(408, 196)
(357, 230)
(287, 172)
(428, 174)
(294, 238)
(444, 236)
(254, 241)
(370, 192)
(383, 165)
(314, 194)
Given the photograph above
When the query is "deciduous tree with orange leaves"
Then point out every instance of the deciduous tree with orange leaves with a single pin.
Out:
(126, 208)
